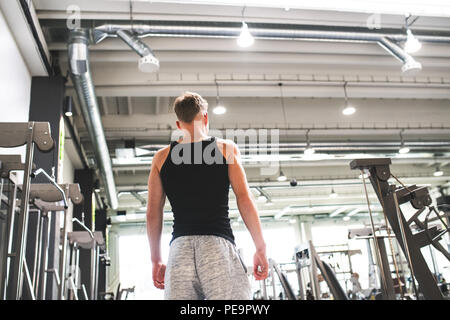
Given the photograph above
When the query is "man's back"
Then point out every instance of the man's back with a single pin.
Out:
(195, 174)
(195, 179)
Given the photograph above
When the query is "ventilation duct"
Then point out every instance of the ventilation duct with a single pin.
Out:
(409, 64)
(148, 61)
(386, 39)
(82, 80)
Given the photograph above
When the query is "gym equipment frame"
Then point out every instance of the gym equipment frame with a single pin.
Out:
(92, 241)
(44, 197)
(15, 135)
(391, 197)
(307, 257)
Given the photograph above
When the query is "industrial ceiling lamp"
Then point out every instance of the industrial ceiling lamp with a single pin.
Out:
(281, 177)
(403, 149)
(410, 65)
(438, 172)
(348, 110)
(218, 109)
(412, 44)
(245, 38)
(68, 103)
(308, 150)
(333, 194)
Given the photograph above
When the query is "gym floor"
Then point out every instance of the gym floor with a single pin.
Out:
(302, 89)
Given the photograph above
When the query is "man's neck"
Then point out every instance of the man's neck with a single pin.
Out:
(194, 137)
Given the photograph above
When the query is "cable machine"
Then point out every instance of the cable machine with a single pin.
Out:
(391, 197)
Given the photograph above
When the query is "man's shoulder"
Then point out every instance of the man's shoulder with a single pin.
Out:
(160, 156)
(226, 142)
(229, 149)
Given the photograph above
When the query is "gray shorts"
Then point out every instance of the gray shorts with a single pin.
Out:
(205, 267)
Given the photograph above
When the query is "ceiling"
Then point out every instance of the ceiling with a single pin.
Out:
(136, 107)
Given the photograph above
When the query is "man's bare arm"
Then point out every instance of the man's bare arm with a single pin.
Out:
(248, 210)
(155, 207)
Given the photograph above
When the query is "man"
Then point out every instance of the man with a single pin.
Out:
(195, 173)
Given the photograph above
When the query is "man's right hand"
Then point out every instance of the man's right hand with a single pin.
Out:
(260, 265)
(158, 272)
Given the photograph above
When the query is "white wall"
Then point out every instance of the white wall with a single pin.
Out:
(15, 82)
(68, 170)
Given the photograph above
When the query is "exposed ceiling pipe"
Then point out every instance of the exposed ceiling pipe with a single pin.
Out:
(148, 61)
(289, 32)
(409, 64)
(386, 40)
(81, 77)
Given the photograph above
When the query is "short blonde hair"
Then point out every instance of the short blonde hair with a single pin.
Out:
(188, 105)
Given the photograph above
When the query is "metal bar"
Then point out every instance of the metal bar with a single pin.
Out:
(8, 243)
(84, 292)
(27, 279)
(329, 276)
(17, 272)
(313, 273)
(53, 182)
(63, 258)
(272, 275)
(43, 285)
(36, 249)
(92, 271)
(289, 293)
(298, 269)
(72, 257)
(77, 262)
(97, 260)
(405, 244)
(389, 292)
(384, 284)
(37, 270)
(264, 289)
(74, 288)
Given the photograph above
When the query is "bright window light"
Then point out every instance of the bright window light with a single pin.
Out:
(403, 150)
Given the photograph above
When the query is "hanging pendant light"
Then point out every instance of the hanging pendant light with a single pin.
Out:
(245, 38)
(218, 109)
(349, 109)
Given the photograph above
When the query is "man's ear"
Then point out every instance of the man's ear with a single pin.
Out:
(206, 118)
(178, 124)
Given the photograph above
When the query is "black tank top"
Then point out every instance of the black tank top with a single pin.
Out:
(195, 180)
